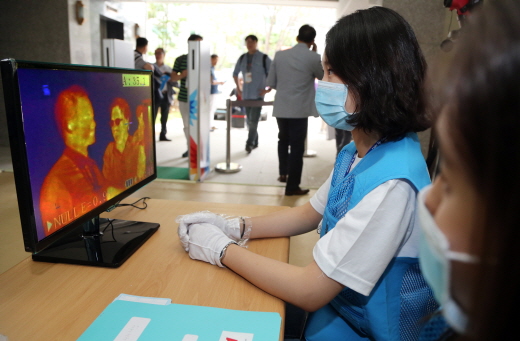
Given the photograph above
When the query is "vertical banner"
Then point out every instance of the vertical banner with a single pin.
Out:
(199, 86)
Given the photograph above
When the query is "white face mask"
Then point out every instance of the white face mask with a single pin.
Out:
(435, 259)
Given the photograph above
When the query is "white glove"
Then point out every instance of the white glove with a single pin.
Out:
(206, 243)
(230, 226)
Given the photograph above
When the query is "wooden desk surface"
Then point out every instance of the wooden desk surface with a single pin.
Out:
(45, 301)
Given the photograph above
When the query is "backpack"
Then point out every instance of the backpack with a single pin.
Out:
(264, 58)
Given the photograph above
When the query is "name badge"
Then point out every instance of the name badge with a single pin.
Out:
(249, 77)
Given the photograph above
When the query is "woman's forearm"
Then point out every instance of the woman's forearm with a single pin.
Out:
(290, 222)
(307, 287)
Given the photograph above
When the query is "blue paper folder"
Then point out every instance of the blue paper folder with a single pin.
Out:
(174, 322)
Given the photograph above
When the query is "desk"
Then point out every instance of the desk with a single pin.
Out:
(45, 301)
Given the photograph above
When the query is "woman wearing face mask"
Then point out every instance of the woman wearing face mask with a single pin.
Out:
(364, 282)
(469, 215)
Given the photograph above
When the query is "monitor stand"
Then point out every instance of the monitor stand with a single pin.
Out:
(99, 242)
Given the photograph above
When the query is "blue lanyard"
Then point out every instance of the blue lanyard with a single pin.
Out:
(377, 144)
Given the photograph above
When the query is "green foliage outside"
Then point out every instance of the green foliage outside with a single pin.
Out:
(225, 26)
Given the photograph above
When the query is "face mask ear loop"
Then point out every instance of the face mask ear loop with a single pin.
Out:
(455, 316)
(462, 257)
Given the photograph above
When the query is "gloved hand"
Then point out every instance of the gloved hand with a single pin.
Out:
(206, 242)
(230, 226)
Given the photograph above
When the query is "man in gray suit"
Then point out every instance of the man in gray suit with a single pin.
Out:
(292, 74)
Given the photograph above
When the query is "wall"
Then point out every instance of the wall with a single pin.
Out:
(79, 35)
(427, 19)
(129, 13)
(32, 30)
(48, 31)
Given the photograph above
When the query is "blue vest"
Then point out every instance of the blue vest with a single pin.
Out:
(401, 297)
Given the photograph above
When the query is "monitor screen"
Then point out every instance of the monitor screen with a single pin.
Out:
(83, 139)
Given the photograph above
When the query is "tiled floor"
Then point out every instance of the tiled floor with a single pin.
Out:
(261, 166)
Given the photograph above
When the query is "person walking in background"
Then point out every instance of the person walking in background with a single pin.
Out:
(254, 66)
(180, 72)
(292, 74)
(162, 76)
(214, 91)
(141, 47)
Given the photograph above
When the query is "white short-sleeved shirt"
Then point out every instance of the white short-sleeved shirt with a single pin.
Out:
(380, 227)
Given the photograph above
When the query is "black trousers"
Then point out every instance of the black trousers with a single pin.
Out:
(165, 110)
(291, 134)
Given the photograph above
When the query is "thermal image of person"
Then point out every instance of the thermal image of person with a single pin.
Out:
(147, 103)
(142, 138)
(74, 184)
(120, 158)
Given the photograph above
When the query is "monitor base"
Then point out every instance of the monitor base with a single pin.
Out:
(110, 246)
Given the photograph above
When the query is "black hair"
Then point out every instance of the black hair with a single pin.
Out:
(482, 99)
(375, 53)
(194, 37)
(214, 56)
(252, 37)
(141, 42)
(306, 33)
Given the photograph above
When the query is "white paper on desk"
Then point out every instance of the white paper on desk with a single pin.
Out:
(133, 329)
(143, 299)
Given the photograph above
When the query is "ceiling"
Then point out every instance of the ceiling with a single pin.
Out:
(302, 3)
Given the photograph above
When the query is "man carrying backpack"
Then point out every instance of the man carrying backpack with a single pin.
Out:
(254, 66)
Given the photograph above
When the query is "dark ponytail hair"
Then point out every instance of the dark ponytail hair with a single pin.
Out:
(375, 53)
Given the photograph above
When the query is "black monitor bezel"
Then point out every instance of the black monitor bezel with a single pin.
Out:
(14, 117)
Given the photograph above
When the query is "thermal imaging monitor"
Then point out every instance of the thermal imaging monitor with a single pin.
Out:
(82, 139)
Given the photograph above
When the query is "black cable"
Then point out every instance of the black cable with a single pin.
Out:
(112, 230)
(116, 205)
(111, 208)
(145, 205)
(108, 224)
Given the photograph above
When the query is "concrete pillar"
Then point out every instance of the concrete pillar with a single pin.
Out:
(32, 30)
(427, 19)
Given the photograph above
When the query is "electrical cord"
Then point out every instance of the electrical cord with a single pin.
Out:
(116, 205)
(145, 204)
(112, 230)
